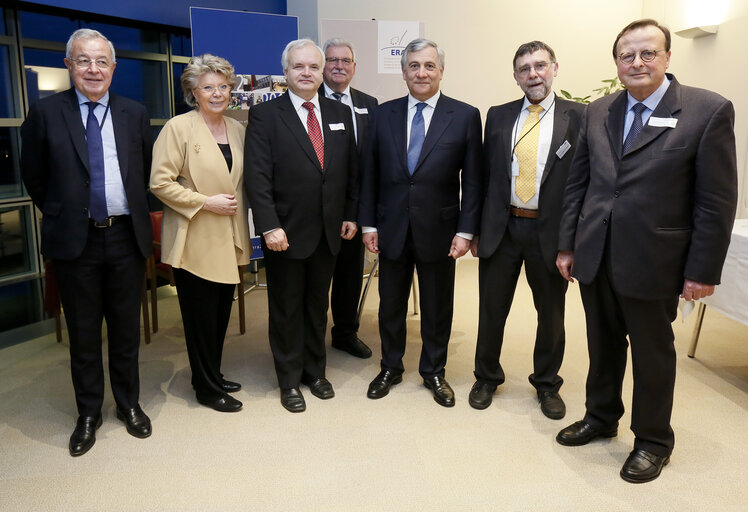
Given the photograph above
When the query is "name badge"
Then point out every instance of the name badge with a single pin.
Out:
(360, 110)
(662, 122)
(337, 126)
(561, 151)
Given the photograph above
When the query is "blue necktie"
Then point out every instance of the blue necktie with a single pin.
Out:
(636, 127)
(417, 135)
(97, 193)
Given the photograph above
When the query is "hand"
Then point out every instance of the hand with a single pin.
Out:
(221, 204)
(459, 247)
(474, 246)
(695, 291)
(276, 240)
(348, 230)
(371, 241)
(565, 264)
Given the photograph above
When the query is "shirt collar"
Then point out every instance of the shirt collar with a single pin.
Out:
(298, 101)
(329, 92)
(652, 100)
(546, 103)
(104, 100)
(412, 102)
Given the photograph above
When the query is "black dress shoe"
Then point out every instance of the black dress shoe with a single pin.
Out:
(481, 395)
(551, 404)
(581, 432)
(293, 400)
(643, 466)
(223, 403)
(354, 346)
(230, 387)
(443, 394)
(138, 424)
(382, 383)
(84, 435)
(321, 388)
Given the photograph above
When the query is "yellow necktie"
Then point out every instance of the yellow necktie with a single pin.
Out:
(527, 155)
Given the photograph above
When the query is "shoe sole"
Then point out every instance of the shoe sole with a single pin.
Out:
(644, 480)
(98, 424)
(376, 395)
(603, 435)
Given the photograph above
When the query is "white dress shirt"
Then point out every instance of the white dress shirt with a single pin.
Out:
(347, 100)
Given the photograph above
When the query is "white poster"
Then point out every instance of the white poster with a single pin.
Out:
(393, 37)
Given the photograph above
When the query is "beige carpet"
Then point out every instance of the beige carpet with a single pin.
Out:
(403, 452)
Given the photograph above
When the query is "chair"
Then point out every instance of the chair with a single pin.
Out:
(155, 268)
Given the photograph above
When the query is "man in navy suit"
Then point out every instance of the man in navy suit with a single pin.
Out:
(340, 67)
(423, 149)
(86, 160)
(529, 146)
(300, 166)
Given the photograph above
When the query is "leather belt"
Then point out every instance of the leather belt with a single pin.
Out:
(108, 222)
(523, 212)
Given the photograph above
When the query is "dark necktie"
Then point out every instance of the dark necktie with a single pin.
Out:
(315, 134)
(97, 193)
(338, 96)
(636, 127)
(417, 135)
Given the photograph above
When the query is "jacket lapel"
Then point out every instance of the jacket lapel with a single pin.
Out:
(507, 135)
(291, 119)
(614, 123)
(326, 132)
(119, 124)
(668, 105)
(399, 129)
(72, 116)
(439, 121)
(560, 125)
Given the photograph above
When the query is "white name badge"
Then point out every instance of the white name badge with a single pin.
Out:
(360, 110)
(337, 126)
(563, 149)
(662, 122)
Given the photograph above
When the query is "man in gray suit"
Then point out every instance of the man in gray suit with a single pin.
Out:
(647, 215)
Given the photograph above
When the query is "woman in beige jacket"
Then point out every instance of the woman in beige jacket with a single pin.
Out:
(197, 173)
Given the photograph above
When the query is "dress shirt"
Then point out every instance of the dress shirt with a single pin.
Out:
(650, 102)
(545, 135)
(347, 100)
(303, 113)
(116, 200)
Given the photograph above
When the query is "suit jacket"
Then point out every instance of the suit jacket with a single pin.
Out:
(667, 204)
(497, 145)
(188, 166)
(428, 201)
(54, 167)
(286, 186)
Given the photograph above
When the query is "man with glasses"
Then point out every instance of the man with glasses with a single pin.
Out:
(85, 161)
(528, 145)
(340, 66)
(647, 214)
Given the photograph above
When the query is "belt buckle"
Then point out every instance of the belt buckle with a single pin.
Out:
(106, 223)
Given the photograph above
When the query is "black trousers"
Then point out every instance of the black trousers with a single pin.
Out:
(104, 282)
(610, 318)
(206, 309)
(436, 280)
(346, 288)
(497, 280)
(297, 303)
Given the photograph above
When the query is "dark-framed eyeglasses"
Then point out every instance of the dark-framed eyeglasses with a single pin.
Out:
(338, 60)
(644, 55)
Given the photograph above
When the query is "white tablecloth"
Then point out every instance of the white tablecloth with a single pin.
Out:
(731, 297)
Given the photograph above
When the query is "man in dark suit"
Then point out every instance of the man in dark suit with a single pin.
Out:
(422, 147)
(340, 66)
(300, 166)
(647, 215)
(528, 147)
(85, 162)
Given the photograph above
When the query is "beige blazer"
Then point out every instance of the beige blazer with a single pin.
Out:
(188, 166)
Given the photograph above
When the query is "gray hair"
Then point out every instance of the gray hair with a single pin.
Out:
(299, 43)
(200, 65)
(339, 41)
(87, 33)
(532, 47)
(417, 45)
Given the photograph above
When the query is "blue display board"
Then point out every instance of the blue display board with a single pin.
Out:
(252, 42)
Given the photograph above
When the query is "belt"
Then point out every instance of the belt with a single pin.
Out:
(108, 222)
(523, 212)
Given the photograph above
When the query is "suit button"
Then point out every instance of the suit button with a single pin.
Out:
(616, 193)
(85, 210)
(605, 221)
(87, 183)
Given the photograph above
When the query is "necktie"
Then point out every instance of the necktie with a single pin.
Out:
(97, 194)
(315, 134)
(417, 135)
(527, 155)
(338, 96)
(636, 127)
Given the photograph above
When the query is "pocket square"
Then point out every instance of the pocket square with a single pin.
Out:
(337, 126)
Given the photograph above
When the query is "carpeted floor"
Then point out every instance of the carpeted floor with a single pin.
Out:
(403, 452)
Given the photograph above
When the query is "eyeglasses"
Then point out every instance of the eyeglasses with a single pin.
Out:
(84, 63)
(644, 55)
(539, 67)
(338, 61)
(210, 89)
